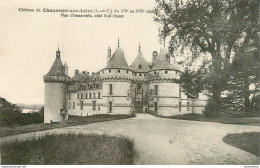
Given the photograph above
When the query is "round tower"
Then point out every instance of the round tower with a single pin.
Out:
(116, 79)
(55, 91)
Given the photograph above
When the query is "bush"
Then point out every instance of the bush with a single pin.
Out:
(212, 109)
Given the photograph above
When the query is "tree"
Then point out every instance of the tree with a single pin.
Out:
(211, 27)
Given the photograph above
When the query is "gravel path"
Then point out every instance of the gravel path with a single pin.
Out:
(169, 141)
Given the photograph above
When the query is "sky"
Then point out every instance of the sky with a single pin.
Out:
(29, 40)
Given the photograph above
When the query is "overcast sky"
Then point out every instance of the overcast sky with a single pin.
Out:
(29, 40)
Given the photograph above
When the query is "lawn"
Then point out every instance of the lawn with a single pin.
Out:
(223, 120)
(68, 149)
(247, 141)
(73, 120)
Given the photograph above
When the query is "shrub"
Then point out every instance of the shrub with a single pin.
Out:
(212, 109)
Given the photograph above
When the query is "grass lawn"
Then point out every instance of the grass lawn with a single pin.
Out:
(223, 120)
(73, 120)
(68, 149)
(247, 141)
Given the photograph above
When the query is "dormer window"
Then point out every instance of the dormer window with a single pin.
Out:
(140, 66)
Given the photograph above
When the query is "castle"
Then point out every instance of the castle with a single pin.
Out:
(144, 87)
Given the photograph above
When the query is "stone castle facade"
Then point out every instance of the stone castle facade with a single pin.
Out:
(144, 87)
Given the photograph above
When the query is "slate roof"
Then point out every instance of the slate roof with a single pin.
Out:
(118, 60)
(57, 69)
(162, 61)
(139, 60)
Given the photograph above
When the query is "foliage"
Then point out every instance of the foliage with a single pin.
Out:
(11, 115)
(213, 27)
(212, 109)
(68, 149)
(191, 83)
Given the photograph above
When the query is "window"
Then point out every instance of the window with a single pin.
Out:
(126, 71)
(109, 70)
(144, 74)
(98, 107)
(73, 105)
(86, 95)
(99, 95)
(180, 92)
(90, 95)
(94, 105)
(140, 74)
(180, 106)
(110, 107)
(69, 96)
(94, 95)
(118, 71)
(78, 96)
(156, 89)
(154, 72)
(155, 106)
(188, 106)
(166, 71)
(69, 105)
(140, 66)
(81, 96)
(110, 89)
(135, 74)
(81, 105)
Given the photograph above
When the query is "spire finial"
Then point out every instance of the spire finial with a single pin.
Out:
(58, 46)
(139, 47)
(118, 42)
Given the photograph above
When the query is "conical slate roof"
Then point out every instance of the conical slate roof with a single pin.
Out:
(162, 62)
(118, 60)
(57, 69)
(140, 64)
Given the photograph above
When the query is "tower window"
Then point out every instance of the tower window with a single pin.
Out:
(140, 74)
(110, 89)
(166, 71)
(81, 105)
(118, 71)
(156, 89)
(140, 66)
(109, 70)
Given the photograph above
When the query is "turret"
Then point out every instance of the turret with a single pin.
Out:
(56, 81)
(65, 68)
(108, 54)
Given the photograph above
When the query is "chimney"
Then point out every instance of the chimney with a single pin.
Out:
(76, 71)
(108, 54)
(154, 54)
